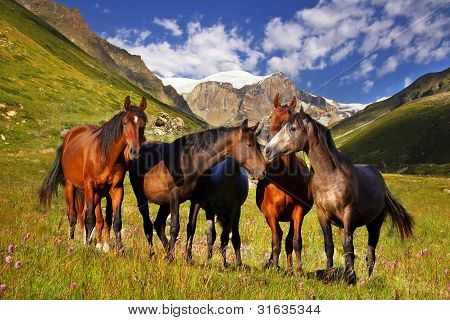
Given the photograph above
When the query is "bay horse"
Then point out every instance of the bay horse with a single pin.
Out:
(167, 173)
(221, 191)
(283, 195)
(92, 159)
(346, 195)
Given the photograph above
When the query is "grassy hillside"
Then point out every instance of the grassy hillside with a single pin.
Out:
(427, 85)
(415, 135)
(51, 84)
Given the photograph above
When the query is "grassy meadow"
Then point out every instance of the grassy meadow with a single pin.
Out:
(414, 269)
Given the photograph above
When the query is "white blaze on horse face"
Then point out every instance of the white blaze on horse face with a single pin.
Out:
(136, 119)
(279, 144)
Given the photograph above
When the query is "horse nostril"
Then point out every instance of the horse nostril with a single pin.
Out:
(268, 151)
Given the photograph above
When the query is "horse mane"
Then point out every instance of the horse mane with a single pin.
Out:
(111, 131)
(205, 139)
(325, 139)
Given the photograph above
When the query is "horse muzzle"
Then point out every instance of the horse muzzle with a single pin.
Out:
(134, 153)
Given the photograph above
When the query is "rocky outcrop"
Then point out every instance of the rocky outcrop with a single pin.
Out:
(218, 103)
(72, 25)
(164, 124)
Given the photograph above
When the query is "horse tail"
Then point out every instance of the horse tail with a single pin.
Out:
(401, 218)
(54, 178)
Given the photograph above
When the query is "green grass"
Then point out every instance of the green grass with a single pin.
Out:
(414, 136)
(48, 270)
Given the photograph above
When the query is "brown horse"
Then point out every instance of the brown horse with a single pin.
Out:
(167, 173)
(346, 195)
(92, 159)
(283, 195)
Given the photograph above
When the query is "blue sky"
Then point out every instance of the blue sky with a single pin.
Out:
(346, 50)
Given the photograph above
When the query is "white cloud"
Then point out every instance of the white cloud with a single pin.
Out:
(169, 24)
(368, 85)
(309, 84)
(334, 29)
(207, 50)
(407, 81)
(124, 37)
(106, 11)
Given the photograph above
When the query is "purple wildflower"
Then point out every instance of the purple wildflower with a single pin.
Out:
(73, 286)
(10, 248)
(18, 265)
(26, 237)
(58, 240)
(8, 259)
(3, 287)
(70, 250)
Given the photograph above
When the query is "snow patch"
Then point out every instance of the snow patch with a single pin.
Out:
(237, 79)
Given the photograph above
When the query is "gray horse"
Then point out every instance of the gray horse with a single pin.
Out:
(346, 195)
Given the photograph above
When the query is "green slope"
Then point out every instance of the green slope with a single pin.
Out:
(427, 85)
(53, 85)
(415, 136)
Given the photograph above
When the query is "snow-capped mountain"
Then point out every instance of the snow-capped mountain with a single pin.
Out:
(237, 79)
(229, 96)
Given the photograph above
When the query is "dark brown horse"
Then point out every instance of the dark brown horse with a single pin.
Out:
(167, 173)
(92, 159)
(283, 195)
(346, 195)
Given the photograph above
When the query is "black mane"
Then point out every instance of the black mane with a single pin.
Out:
(203, 140)
(111, 131)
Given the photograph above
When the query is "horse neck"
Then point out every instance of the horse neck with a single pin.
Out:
(215, 153)
(116, 151)
(322, 158)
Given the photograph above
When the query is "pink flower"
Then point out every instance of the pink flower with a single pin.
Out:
(421, 253)
(70, 250)
(26, 237)
(381, 248)
(302, 286)
(8, 259)
(395, 264)
(73, 286)
(18, 265)
(3, 287)
(58, 240)
(10, 248)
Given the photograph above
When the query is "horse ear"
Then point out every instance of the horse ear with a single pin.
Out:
(254, 127)
(276, 101)
(127, 103)
(302, 113)
(143, 104)
(244, 124)
(293, 103)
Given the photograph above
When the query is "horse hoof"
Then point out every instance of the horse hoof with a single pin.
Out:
(226, 265)
(268, 264)
(98, 246)
(351, 278)
(105, 247)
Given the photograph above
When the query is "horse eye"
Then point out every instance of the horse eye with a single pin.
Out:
(293, 128)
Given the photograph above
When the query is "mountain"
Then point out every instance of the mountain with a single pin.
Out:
(427, 85)
(231, 96)
(72, 25)
(409, 131)
(48, 84)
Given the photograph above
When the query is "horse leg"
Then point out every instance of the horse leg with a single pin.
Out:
(99, 224)
(148, 226)
(174, 224)
(289, 247)
(277, 234)
(297, 240)
(116, 194)
(91, 200)
(349, 250)
(373, 229)
(236, 237)
(192, 224)
(160, 225)
(210, 232)
(224, 239)
(108, 223)
(328, 237)
(71, 214)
